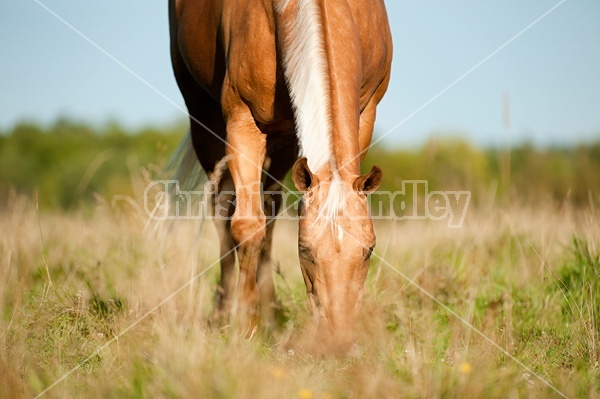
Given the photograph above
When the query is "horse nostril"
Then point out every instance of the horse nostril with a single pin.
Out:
(369, 252)
(315, 305)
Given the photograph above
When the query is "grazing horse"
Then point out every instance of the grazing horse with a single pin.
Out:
(267, 81)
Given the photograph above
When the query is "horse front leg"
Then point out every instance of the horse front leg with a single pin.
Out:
(223, 210)
(367, 124)
(280, 162)
(246, 149)
(265, 281)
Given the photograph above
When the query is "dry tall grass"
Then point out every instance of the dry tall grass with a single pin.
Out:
(74, 283)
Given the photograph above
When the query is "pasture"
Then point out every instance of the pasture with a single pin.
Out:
(92, 288)
(500, 308)
(484, 284)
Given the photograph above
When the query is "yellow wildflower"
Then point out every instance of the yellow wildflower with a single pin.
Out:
(305, 394)
(465, 368)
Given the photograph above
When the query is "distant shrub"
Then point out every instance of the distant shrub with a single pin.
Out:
(67, 162)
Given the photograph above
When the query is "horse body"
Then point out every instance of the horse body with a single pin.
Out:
(266, 79)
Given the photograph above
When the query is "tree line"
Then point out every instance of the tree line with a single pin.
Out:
(68, 163)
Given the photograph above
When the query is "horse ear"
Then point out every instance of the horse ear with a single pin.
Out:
(369, 182)
(301, 175)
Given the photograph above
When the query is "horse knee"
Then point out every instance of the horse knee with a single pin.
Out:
(248, 231)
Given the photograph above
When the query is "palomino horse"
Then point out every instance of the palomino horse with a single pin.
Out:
(271, 80)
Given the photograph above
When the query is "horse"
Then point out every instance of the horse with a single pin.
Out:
(292, 84)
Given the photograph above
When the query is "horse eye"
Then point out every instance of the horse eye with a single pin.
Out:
(305, 253)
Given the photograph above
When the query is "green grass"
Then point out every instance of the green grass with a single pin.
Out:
(527, 279)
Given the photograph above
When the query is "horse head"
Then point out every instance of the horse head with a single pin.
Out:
(336, 239)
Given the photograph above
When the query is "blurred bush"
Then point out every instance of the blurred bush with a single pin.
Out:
(524, 174)
(67, 162)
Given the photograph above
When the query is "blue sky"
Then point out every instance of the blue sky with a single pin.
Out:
(551, 72)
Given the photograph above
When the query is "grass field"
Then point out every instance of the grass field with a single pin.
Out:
(508, 306)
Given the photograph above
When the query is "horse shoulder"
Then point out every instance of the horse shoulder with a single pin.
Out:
(252, 61)
(376, 45)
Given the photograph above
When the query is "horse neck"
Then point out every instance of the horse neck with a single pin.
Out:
(322, 64)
